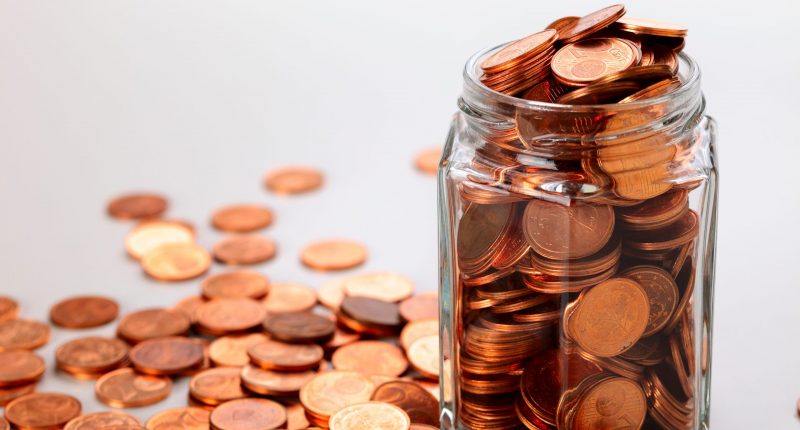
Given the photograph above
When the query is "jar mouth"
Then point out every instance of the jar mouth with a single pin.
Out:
(688, 71)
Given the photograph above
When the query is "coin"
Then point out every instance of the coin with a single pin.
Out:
(167, 355)
(298, 327)
(149, 235)
(296, 417)
(20, 367)
(651, 27)
(84, 312)
(417, 329)
(427, 160)
(4, 425)
(180, 419)
(235, 284)
(293, 180)
(615, 402)
(591, 23)
(386, 286)
(176, 262)
(681, 232)
(331, 293)
(371, 357)
(7, 394)
(519, 51)
(9, 309)
(416, 401)
(331, 391)
(188, 305)
(26, 411)
(423, 354)
(244, 249)
(89, 356)
(338, 254)
(643, 75)
(368, 315)
(101, 420)
(152, 323)
(125, 388)
(420, 307)
(599, 93)
(261, 414)
(242, 218)
(370, 415)
(137, 206)
(217, 385)
(286, 297)
(480, 229)
(232, 350)
(662, 292)
(274, 382)
(229, 316)
(274, 355)
(23, 334)
(567, 232)
(563, 24)
(342, 336)
(583, 62)
(548, 90)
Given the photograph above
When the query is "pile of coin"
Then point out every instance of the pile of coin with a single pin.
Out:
(575, 245)
(258, 354)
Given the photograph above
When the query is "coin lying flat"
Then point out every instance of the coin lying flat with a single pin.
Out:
(125, 388)
(190, 418)
(273, 355)
(415, 400)
(9, 309)
(91, 355)
(26, 411)
(262, 414)
(293, 180)
(176, 262)
(152, 323)
(427, 160)
(423, 354)
(137, 206)
(386, 286)
(370, 415)
(336, 254)
(300, 327)
(243, 218)
(285, 297)
(420, 307)
(84, 312)
(331, 391)
(273, 382)
(216, 385)
(232, 350)
(149, 235)
(239, 283)
(244, 249)
(229, 316)
(167, 355)
(101, 420)
(23, 334)
(20, 367)
(371, 357)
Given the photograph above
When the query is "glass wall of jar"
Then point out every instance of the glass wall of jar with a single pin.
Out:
(577, 260)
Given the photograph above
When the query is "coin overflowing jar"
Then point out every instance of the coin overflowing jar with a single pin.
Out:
(578, 191)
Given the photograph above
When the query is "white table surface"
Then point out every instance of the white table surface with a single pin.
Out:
(198, 98)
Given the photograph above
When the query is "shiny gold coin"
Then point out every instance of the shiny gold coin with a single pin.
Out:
(248, 414)
(338, 254)
(101, 421)
(243, 218)
(23, 334)
(293, 180)
(369, 416)
(9, 309)
(149, 235)
(26, 411)
(427, 161)
(244, 249)
(137, 206)
(180, 419)
(371, 357)
(125, 388)
(386, 286)
(176, 262)
(591, 23)
(20, 367)
(583, 62)
(286, 297)
(236, 284)
(232, 350)
(331, 391)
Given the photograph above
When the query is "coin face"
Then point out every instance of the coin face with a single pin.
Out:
(415, 400)
(293, 180)
(339, 254)
(299, 327)
(91, 355)
(273, 382)
(137, 206)
(610, 317)
(371, 357)
(662, 292)
(427, 160)
(331, 293)
(176, 262)
(420, 307)
(84, 312)
(167, 355)
(188, 305)
(26, 411)
(152, 323)
(417, 329)
(235, 284)
(190, 418)
(331, 391)
(125, 388)
(244, 249)
(23, 334)
(243, 218)
(149, 235)
(480, 228)
(285, 297)
(261, 414)
(613, 403)
(567, 232)
(217, 385)
(591, 23)
(7, 394)
(101, 420)
(386, 286)
(271, 354)
(582, 62)
(370, 415)
(19, 367)
(9, 309)
(423, 355)
(229, 315)
(518, 51)
(232, 350)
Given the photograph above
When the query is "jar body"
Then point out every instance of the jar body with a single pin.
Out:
(577, 262)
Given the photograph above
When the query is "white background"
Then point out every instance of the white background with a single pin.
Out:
(198, 98)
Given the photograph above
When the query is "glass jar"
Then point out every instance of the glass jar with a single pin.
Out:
(577, 261)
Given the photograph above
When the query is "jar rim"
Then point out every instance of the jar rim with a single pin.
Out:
(688, 86)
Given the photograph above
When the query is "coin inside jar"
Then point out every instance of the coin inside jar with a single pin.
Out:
(23, 334)
(217, 385)
(615, 402)
(285, 297)
(84, 312)
(20, 367)
(567, 232)
(242, 218)
(591, 23)
(102, 420)
(232, 350)
(416, 401)
(662, 292)
(244, 249)
(274, 355)
(262, 414)
(370, 415)
(176, 262)
(371, 357)
(583, 62)
(91, 355)
(300, 327)
(188, 418)
(152, 323)
(26, 411)
(167, 355)
(125, 388)
(137, 206)
(229, 316)
(339, 254)
(240, 283)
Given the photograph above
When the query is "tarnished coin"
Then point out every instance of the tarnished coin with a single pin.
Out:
(662, 292)
(26, 411)
(239, 283)
(229, 316)
(274, 355)
(23, 334)
(386, 286)
(420, 307)
(427, 160)
(91, 355)
(176, 262)
(190, 418)
(125, 388)
(300, 327)
(417, 329)
(293, 180)
(612, 403)
(338, 254)
(261, 414)
(167, 355)
(371, 357)
(274, 382)
(101, 421)
(137, 206)
(419, 404)
(84, 312)
(583, 62)
(368, 315)
(518, 51)
(423, 355)
(152, 323)
(9, 309)
(591, 23)
(567, 232)
(331, 391)
(217, 385)
(286, 297)
(244, 249)
(370, 415)
(20, 367)
(232, 350)
(149, 235)
(243, 218)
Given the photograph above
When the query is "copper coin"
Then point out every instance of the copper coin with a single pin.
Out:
(23, 334)
(217, 385)
(427, 160)
(4, 425)
(232, 350)
(339, 254)
(365, 313)
(651, 27)
(101, 421)
(331, 293)
(643, 75)
(480, 228)
(331, 391)
(548, 91)
(240, 283)
(149, 235)
(371, 357)
(125, 388)
(180, 419)
(612, 403)
(417, 329)
(599, 93)
(248, 414)
(188, 305)
(176, 262)
(300, 327)
(137, 206)
(415, 426)
(242, 218)
(583, 62)
(273, 382)
(293, 180)
(274, 355)
(567, 232)
(90, 355)
(244, 249)
(420, 307)
(167, 355)
(591, 23)
(84, 312)
(343, 336)
(7, 394)
(681, 232)
(657, 89)
(370, 415)
(20, 367)
(229, 316)
(296, 419)
(285, 297)
(662, 292)
(152, 323)
(9, 309)
(518, 51)
(26, 411)
(386, 286)
(610, 317)
(423, 355)
(419, 404)
(562, 24)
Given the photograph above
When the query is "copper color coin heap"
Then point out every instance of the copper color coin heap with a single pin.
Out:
(215, 386)
(332, 391)
(26, 411)
(232, 350)
(137, 206)
(336, 254)
(370, 316)
(372, 357)
(275, 382)
(274, 355)
(293, 180)
(84, 312)
(244, 249)
(242, 218)
(262, 414)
